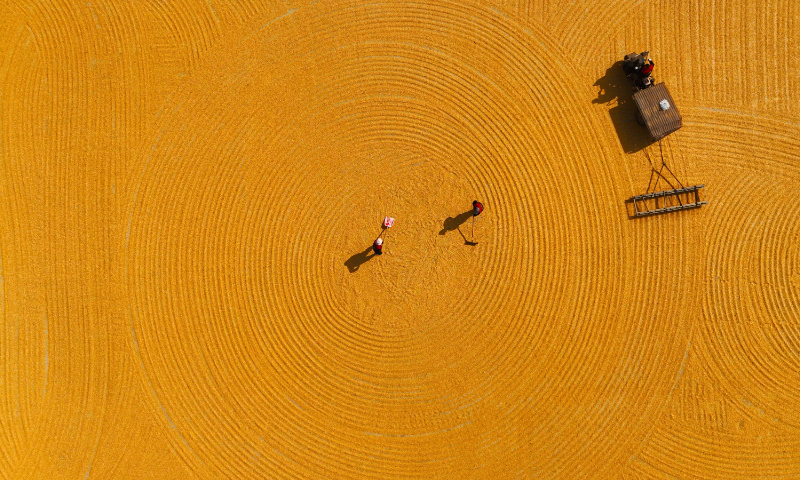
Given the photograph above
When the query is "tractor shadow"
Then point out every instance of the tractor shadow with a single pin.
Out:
(614, 86)
(454, 223)
(354, 263)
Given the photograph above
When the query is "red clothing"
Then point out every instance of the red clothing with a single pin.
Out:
(647, 69)
(378, 249)
(477, 208)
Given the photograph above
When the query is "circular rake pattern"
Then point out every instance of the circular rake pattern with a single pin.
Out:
(752, 336)
(273, 346)
(277, 346)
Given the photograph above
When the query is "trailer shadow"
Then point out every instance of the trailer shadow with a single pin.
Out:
(614, 86)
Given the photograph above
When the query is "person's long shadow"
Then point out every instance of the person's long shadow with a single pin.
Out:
(452, 223)
(614, 85)
(354, 263)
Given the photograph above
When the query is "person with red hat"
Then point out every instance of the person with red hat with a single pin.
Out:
(648, 69)
(477, 208)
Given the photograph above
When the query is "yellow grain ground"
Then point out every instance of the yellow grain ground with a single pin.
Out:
(188, 192)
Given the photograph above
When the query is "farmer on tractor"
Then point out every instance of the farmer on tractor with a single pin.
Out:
(647, 69)
(638, 69)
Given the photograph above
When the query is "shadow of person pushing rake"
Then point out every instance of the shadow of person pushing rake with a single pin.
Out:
(451, 224)
(353, 263)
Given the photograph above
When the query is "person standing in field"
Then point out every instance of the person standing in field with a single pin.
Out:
(477, 208)
(377, 246)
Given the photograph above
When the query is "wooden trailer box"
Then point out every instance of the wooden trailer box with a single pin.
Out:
(659, 121)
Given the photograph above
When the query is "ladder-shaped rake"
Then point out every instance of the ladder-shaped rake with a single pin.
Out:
(655, 202)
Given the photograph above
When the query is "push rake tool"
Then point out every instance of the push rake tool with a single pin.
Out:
(388, 222)
(473, 242)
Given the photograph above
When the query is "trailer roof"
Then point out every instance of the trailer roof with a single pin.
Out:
(660, 123)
